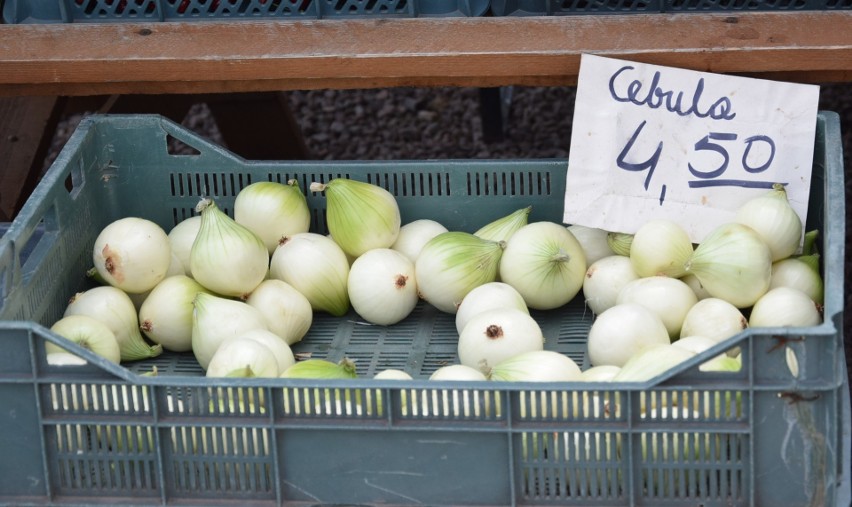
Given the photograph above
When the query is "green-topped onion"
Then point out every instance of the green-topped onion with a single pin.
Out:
(226, 257)
(502, 228)
(272, 210)
(619, 242)
(733, 263)
(360, 216)
(545, 263)
(660, 247)
(316, 266)
(215, 320)
(86, 332)
(800, 273)
(452, 264)
(536, 366)
(321, 369)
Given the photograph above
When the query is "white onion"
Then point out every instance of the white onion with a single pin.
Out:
(602, 373)
(622, 331)
(360, 216)
(87, 332)
(181, 238)
(651, 362)
(733, 264)
(132, 254)
(414, 235)
(488, 296)
(695, 284)
(536, 366)
(697, 345)
(226, 258)
(452, 264)
(604, 280)
(215, 319)
(784, 307)
(242, 357)
(457, 372)
(382, 286)
(669, 298)
(800, 273)
(772, 217)
(495, 335)
(166, 314)
(272, 210)
(287, 311)
(280, 349)
(64, 359)
(660, 247)
(114, 308)
(392, 374)
(316, 266)
(713, 318)
(594, 242)
(545, 263)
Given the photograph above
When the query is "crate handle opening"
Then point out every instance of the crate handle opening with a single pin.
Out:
(179, 147)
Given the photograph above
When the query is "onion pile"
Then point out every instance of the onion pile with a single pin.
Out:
(239, 292)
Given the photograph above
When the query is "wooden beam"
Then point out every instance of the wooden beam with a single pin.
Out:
(213, 57)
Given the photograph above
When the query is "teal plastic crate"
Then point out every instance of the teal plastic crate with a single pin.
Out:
(114, 11)
(107, 434)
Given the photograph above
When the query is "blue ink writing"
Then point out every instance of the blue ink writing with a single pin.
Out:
(655, 97)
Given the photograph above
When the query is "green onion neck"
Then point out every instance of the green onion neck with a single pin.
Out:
(244, 372)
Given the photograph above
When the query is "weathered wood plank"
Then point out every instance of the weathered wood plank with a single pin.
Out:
(81, 59)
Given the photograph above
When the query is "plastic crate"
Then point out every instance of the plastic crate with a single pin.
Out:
(107, 434)
(112, 11)
(598, 7)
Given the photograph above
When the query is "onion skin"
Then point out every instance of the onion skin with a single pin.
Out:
(784, 307)
(382, 286)
(545, 263)
(623, 331)
(414, 235)
(132, 254)
(733, 264)
(452, 264)
(496, 335)
(774, 220)
(488, 296)
(272, 210)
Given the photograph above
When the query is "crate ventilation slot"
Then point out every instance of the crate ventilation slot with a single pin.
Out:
(508, 184)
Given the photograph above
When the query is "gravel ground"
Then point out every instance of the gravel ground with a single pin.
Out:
(445, 123)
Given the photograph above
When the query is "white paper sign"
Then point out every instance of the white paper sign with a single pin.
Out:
(654, 142)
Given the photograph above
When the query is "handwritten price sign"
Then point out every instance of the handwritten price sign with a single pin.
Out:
(658, 142)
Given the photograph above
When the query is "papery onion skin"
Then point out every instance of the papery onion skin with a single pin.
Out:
(602, 373)
(392, 374)
(414, 235)
(316, 266)
(800, 273)
(242, 357)
(113, 307)
(87, 332)
(774, 220)
(227, 258)
(714, 318)
(784, 307)
(382, 286)
(536, 366)
(132, 254)
(216, 319)
(621, 332)
(457, 372)
(493, 336)
(321, 369)
(668, 297)
(165, 316)
(660, 247)
(279, 348)
(545, 263)
(287, 312)
(452, 264)
(594, 242)
(488, 296)
(181, 238)
(733, 264)
(604, 280)
(272, 210)
(652, 361)
(361, 216)
(503, 228)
